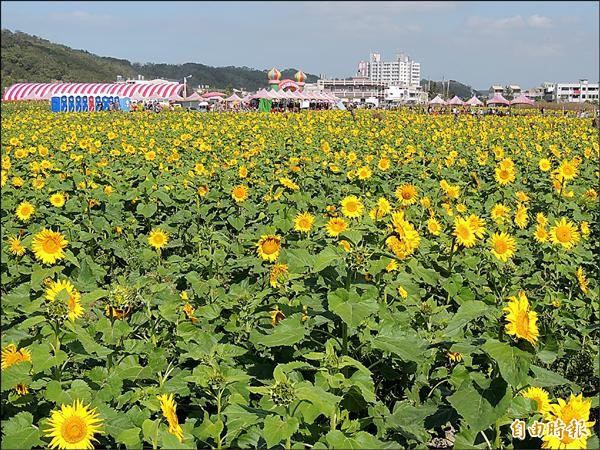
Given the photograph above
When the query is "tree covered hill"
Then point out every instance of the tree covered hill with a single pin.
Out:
(27, 58)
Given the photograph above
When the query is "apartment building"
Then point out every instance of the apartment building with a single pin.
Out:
(401, 71)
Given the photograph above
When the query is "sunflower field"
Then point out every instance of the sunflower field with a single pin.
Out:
(312, 280)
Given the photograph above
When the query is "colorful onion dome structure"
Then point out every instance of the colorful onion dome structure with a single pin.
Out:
(274, 75)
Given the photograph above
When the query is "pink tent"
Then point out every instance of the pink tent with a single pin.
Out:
(213, 94)
(261, 94)
(474, 101)
(176, 98)
(437, 101)
(195, 97)
(498, 99)
(522, 100)
(456, 101)
(137, 97)
(233, 98)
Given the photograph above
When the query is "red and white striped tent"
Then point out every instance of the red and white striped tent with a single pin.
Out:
(26, 91)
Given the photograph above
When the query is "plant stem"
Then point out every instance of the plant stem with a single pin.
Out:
(498, 442)
(486, 440)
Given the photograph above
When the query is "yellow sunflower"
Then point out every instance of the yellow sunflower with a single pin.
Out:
(545, 165)
(57, 200)
(202, 190)
(169, 410)
(276, 315)
(522, 322)
(74, 302)
(541, 398)
(24, 211)
(239, 193)
(345, 245)
(463, 232)
(503, 246)
(158, 239)
(505, 175)
(575, 415)
(384, 164)
(454, 356)
(243, 172)
(564, 233)
(500, 212)
(434, 226)
(48, 246)
(383, 207)
(73, 427)
(407, 194)
(12, 356)
(352, 207)
(278, 270)
(541, 234)
(364, 173)
(521, 218)
(336, 226)
(189, 312)
(567, 170)
(392, 266)
(268, 247)
(304, 222)
(16, 247)
(477, 224)
(582, 280)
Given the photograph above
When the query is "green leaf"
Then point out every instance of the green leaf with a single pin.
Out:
(237, 222)
(150, 431)
(147, 210)
(298, 259)
(43, 357)
(20, 434)
(287, 332)
(512, 362)
(351, 308)
(15, 374)
(429, 276)
(326, 258)
(481, 407)
(408, 348)
(466, 312)
(544, 377)
(338, 440)
(89, 344)
(276, 430)
(318, 397)
(130, 437)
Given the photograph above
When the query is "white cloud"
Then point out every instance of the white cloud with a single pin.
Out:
(501, 24)
(537, 21)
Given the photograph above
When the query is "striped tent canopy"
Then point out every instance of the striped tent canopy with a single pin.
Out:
(25, 91)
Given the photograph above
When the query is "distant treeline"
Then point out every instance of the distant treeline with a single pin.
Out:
(27, 58)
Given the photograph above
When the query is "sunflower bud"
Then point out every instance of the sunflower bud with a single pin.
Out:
(282, 393)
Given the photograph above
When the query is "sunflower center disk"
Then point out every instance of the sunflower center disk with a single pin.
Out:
(50, 245)
(74, 430)
(270, 246)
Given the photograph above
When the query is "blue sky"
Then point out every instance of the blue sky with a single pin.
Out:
(479, 43)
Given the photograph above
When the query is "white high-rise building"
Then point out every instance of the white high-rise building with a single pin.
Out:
(402, 71)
